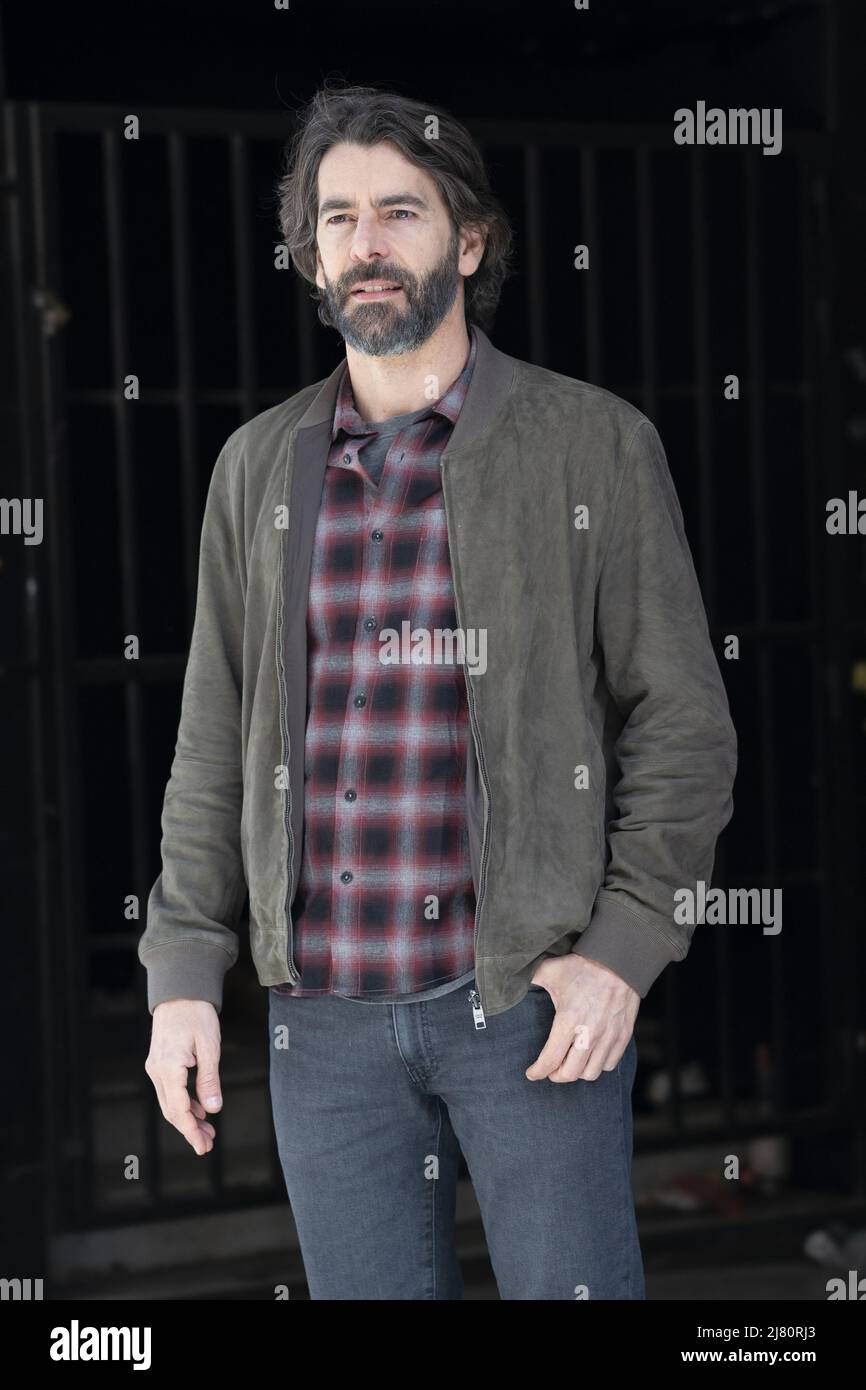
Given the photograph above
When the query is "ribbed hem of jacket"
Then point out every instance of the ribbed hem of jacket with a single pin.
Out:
(628, 944)
(185, 970)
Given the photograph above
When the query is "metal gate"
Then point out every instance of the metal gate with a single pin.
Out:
(154, 257)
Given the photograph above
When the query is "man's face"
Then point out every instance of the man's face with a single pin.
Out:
(382, 221)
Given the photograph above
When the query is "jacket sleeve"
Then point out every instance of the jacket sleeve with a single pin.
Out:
(676, 753)
(190, 940)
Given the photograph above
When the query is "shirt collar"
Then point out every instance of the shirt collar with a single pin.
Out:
(346, 416)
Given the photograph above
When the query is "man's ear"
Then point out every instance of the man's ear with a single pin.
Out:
(320, 273)
(474, 242)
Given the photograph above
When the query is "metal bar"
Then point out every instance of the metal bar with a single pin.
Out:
(758, 470)
(164, 120)
(708, 570)
(703, 407)
(679, 390)
(20, 279)
(843, 895)
(831, 67)
(589, 207)
(184, 397)
(534, 259)
(273, 125)
(818, 600)
(68, 986)
(166, 395)
(304, 325)
(167, 666)
(643, 189)
(206, 395)
(124, 472)
(725, 996)
(245, 299)
(99, 670)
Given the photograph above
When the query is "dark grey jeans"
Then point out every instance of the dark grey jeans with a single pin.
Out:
(372, 1104)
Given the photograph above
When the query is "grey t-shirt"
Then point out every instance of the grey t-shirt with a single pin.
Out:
(372, 456)
(373, 453)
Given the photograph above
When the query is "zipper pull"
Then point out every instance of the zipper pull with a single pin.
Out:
(477, 1011)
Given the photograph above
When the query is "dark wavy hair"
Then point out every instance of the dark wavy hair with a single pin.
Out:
(366, 116)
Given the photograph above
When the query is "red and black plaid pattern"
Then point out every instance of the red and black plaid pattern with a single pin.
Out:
(385, 902)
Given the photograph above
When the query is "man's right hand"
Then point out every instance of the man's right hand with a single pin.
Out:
(186, 1033)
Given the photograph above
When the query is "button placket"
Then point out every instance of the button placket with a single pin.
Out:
(350, 785)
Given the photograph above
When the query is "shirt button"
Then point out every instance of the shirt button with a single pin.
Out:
(351, 794)
(347, 458)
(360, 701)
(346, 876)
(377, 535)
(369, 623)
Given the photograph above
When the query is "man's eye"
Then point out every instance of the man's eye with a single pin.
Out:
(395, 212)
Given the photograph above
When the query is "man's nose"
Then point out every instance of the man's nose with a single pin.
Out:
(369, 238)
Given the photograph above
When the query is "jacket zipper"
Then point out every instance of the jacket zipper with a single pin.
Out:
(284, 744)
(485, 787)
(477, 1011)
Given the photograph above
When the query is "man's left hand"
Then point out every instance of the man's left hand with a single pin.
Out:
(595, 1014)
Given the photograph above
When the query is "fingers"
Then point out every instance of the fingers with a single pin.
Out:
(200, 1113)
(207, 1080)
(555, 1050)
(588, 1063)
(178, 1110)
(576, 1052)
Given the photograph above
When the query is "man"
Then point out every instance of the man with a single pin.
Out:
(453, 720)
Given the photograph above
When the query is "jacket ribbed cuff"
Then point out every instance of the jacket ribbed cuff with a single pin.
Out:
(627, 944)
(185, 970)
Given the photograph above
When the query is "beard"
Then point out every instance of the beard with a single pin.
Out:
(391, 328)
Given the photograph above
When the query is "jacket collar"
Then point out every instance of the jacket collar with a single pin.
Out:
(489, 387)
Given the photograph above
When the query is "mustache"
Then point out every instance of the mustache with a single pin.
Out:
(400, 278)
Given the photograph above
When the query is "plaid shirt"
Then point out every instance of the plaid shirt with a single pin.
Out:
(385, 905)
